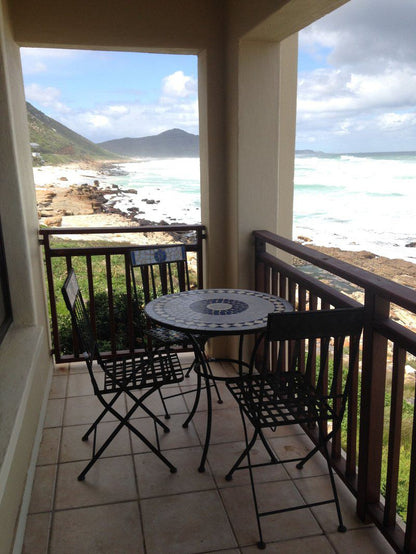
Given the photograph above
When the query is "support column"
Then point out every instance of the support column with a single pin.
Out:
(263, 188)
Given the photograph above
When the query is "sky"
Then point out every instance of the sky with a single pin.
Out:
(356, 84)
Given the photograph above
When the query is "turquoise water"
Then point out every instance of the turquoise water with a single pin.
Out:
(357, 202)
(354, 202)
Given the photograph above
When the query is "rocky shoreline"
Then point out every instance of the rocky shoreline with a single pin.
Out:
(62, 203)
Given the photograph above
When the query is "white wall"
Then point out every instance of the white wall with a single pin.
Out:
(25, 363)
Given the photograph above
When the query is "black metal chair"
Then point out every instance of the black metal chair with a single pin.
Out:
(305, 380)
(159, 271)
(118, 376)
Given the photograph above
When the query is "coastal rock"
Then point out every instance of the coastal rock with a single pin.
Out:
(53, 221)
(399, 271)
(411, 245)
(150, 201)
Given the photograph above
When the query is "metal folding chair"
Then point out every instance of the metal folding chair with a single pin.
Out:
(310, 360)
(159, 271)
(143, 374)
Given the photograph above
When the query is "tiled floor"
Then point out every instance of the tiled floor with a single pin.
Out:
(131, 503)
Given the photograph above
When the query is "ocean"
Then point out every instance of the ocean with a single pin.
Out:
(354, 202)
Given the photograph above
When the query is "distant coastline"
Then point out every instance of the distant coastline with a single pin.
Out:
(321, 154)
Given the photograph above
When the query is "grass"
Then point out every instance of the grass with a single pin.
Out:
(102, 309)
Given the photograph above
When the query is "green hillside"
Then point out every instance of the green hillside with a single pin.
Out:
(53, 143)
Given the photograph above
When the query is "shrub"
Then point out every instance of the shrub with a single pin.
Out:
(103, 323)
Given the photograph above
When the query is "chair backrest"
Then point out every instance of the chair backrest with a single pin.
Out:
(159, 271)
(79, 317)
(315, 343)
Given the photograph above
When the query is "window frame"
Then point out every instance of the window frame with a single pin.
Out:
(7, 317)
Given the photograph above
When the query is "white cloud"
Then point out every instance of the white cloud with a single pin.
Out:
(46, 97)
(363, 88)
(395, 121)
(179, 85)
(135, 120)
(97, 121)
(109, 114)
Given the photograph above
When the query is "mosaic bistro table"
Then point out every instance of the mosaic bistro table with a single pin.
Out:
(215, 312)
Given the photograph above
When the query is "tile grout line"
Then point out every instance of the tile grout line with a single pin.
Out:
(52, 516)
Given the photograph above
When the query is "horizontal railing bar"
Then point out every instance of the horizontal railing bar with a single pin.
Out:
(311, 283)
(112, 230)
(112, 250)
(405, 338)
(399, 294)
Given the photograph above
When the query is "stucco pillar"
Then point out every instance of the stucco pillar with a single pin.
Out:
(265, 137)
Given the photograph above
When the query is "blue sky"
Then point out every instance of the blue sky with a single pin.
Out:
(356, 84)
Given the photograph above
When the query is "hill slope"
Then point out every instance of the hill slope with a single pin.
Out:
(56, 144)
(169, 144)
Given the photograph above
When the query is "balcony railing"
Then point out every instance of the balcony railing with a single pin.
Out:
(101, 257)
(376, 456)
(375, 452)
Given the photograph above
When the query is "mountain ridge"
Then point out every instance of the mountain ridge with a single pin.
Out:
(174, 143)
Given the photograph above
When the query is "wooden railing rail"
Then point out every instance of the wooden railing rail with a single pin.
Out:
(112, 261)
(370, 461)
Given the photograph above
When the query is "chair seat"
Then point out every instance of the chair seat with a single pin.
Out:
(170, 337)
(141, 372)
(280, 399)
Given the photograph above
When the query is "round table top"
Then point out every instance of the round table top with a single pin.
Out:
(216, 311)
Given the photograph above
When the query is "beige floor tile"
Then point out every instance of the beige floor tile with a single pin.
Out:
(58, 386)
(316, 489)
(49, 446)
(182, 512)
(62, 369)
(174, 405)
(367, 540)
(85, 409)
(73, 448)
(43, 489)
(78, 367)
(155, 480)
(177, 437)
(228, 401)
(54, 412)
(109, 480)
(297, 446)
(221, 458)
(311, 545)
(226, 426)
(114, 528)
(191, 523)
(37, 534)
(240, 508)
(79, 384)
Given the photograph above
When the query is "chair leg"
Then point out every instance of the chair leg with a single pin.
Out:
(236, 465)
(165, 409)
(157, 420)
(93, 427)
(341, 526)
(124, 421)
(261, 544)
